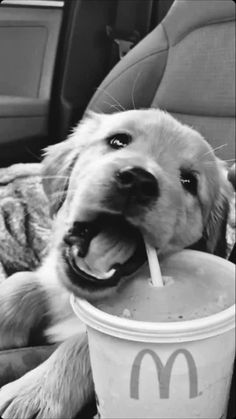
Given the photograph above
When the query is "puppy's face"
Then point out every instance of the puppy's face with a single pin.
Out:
(123, 177)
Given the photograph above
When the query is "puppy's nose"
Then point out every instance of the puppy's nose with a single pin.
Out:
(137, 182)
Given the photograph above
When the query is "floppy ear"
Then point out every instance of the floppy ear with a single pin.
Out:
(56, 168)
(59, 160)
(215, 231)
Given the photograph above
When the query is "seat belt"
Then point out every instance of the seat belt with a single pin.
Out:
(132, 22)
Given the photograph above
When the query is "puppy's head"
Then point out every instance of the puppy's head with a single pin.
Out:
(122, 177)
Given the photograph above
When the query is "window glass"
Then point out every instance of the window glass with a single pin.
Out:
(53, 3)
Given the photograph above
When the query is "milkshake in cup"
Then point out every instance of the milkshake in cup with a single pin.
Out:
(165, 352)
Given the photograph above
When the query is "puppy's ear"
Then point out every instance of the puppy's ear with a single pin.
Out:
(215, 231)
(56, 168)
(59, 160)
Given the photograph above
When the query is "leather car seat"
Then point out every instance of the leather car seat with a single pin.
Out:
(186, 66)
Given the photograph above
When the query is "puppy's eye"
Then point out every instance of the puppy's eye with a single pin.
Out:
(189, 181)
(119, 140)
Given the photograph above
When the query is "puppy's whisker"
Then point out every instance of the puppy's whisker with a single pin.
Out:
(133, 89)
(113, 106)
(213, 150)
(97, 109)
(33, 154)
(112, 97)
(61, 193)
(55, 177)
(212, 163)
(230, 161)
(28, 213)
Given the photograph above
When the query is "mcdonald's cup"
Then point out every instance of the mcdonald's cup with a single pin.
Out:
(163, 369)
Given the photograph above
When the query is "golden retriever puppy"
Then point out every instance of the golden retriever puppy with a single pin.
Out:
(117, 179)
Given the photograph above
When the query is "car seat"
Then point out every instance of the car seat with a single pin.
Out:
(186, 66)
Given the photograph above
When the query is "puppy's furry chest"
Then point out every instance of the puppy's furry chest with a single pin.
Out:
(64, 329)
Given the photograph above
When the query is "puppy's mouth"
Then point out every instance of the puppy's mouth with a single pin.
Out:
(100, 252)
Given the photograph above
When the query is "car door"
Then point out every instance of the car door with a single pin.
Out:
(29, 34)
(53, 56)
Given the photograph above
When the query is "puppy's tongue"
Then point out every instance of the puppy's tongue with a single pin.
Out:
(105, 252)
(115, 243)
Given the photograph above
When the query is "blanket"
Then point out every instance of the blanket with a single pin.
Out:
(25, 223)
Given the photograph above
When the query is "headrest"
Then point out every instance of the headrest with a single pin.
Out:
(185, 16)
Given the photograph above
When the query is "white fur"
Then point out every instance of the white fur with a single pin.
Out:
(64, 329)
(59, 387)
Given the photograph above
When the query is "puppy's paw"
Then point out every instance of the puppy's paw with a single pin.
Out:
(33, 396)
(23, 303)
(59, 388)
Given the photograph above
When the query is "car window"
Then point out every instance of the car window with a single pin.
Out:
(52, 3)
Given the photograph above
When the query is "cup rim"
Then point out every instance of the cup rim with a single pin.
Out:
(179, 331)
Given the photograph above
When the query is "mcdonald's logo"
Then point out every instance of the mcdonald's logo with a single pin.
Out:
(164, 373)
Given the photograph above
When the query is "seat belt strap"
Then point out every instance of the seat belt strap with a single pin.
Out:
(128, 27)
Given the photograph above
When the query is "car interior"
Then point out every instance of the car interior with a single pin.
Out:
(54, 54)
(59, 58)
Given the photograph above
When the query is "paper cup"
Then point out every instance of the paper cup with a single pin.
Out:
(175, 370)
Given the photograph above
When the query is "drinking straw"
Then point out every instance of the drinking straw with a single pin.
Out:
(154, 266)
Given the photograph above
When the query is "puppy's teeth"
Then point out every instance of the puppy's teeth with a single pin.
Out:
(75, 250)
(108, 274)
(78, 251)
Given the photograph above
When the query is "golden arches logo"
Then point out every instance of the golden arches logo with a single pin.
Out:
(163, 373)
